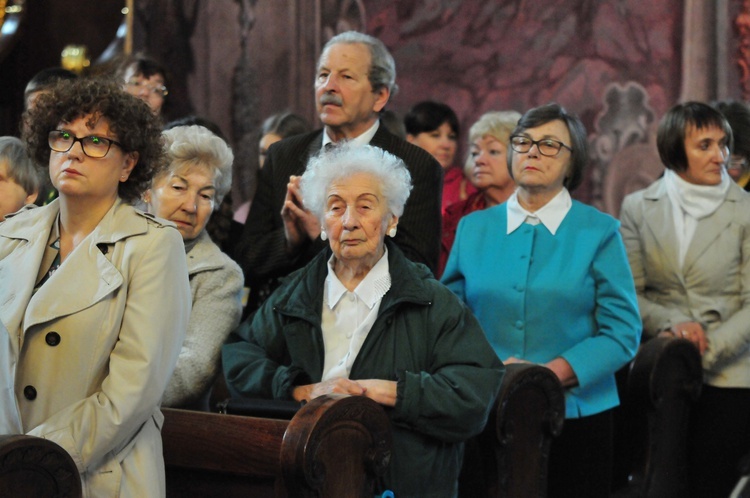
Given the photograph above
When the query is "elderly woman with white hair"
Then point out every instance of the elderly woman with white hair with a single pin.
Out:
(361, 319)
(186, 193)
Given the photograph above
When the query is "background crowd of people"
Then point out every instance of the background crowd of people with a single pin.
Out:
(368, 263)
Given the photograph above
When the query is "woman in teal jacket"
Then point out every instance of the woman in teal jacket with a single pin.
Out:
(549, 281)
(415, 348)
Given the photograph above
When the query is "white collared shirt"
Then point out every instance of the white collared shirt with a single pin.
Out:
(551, 215)
(362, 139)
(348, 316)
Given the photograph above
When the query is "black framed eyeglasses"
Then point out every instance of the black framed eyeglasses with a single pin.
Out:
(547, 146)
(92, 145)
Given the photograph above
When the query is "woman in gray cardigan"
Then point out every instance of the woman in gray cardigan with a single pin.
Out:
(186, 193)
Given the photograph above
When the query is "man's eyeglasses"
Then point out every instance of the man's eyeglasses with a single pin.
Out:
(93, 146)
(547, 146)
(155, 89)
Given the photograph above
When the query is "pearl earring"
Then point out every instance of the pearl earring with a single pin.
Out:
(392, 232)
(323, 235)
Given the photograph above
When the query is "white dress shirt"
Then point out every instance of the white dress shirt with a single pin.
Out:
(362, 139)
(551, 215)
(348, 316)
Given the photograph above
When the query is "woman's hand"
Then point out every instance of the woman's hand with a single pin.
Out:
(693, 332)
(338, 385)
(559, 366)
(382, 392)
(512, 359)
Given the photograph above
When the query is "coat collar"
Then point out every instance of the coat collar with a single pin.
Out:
(303, 291)
(117, 224)
(711, 227)
(658, 215)
(382, 138)
(88, 267)
(204, 255)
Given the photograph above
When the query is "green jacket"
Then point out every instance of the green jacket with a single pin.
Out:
(424, 338)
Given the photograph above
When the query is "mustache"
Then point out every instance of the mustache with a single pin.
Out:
(330, 99)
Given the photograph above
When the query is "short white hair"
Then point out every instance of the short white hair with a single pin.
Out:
(349, 159)
(193, 146)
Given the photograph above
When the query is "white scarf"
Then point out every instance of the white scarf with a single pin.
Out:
(690, 204)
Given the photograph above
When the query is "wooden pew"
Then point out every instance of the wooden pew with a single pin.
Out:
(32, 466)
(664, 381)
(334, 446)
(509, 459)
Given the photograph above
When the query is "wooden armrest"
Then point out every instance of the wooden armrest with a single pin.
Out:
(665, 379)
(348, 437)
(265, 408)
(32, 466)
(530, 413)
(231, 444)
(510, 457)
(334, 446)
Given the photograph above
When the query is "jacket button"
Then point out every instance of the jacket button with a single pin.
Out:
(29, 393)
(53, 338)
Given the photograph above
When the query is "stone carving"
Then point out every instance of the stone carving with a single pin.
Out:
(624, 156)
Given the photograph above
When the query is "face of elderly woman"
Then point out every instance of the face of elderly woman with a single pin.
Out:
(489, 163)
(533, 170)
(706, 150)
(354, 219)
(186, 198)
(75, 173)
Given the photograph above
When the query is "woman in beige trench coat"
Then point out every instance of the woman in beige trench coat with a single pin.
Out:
(94, 295)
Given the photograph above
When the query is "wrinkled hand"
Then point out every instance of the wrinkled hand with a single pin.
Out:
(559, 366)
(693, 332)
(382, 392)
(298, 221)
(339, 385)
(512, 359)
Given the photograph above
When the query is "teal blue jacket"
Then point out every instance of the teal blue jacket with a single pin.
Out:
(540, 296)
(424, 338)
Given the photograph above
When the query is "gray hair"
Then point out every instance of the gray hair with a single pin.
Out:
(191, 146)
(382, 73)
(21, 168)
(350, 159)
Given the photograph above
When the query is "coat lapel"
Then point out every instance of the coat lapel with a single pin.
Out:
(657, 216)
(19, 268)
(87, 270)
(315, 145)
(711, 227)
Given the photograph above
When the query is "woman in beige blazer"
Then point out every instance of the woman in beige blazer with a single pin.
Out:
(94, 295)
(688, 242)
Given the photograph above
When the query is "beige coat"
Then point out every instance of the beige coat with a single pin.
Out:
(84, 361)
(712, 287)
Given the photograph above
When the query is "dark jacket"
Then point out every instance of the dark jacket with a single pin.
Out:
(424, 338)
(261, 251)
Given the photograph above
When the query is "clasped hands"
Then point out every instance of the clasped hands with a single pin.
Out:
(559, 366)
(692, 331)
(381, 391)
(299, 223)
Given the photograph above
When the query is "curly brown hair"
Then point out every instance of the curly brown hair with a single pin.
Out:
(129, 118)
